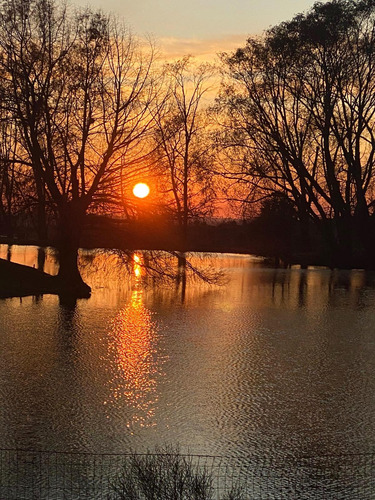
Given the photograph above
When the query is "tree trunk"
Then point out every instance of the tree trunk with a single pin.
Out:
(41, 222)
(337, 235)
(41, 258)
(181, 275)
(363, 246)
(71, 224)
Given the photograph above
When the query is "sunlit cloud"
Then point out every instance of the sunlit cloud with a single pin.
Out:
(202, 49)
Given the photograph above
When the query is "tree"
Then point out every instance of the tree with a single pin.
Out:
(18, 197)
(300, 116)
(185, 155)
(8, 178)
(80, 91)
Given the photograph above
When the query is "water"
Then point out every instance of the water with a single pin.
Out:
(274, 363)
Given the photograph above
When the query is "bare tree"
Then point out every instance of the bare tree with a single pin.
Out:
(81, 90)
(300, 115)
(185, 154)
(8, 193)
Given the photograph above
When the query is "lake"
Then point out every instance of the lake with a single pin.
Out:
(272, 363)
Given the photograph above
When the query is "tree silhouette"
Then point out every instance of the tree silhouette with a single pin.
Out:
(79, 89)
(300, 117)
(185, 155)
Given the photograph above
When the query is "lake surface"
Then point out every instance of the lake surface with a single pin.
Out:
(274, 363)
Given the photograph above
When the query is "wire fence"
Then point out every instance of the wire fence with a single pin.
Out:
(31, 475)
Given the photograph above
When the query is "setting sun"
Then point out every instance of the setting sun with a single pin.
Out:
(141, 190)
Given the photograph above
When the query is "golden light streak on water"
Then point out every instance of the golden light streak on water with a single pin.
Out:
(134, 352)
(137, 267)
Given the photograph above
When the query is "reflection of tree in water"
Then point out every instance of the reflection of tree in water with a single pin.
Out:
(315, 287)
(134, 354)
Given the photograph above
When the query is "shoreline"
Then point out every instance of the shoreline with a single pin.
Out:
(20, 280)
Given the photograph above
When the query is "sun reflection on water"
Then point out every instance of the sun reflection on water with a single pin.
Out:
(135, 357)
(137, 268)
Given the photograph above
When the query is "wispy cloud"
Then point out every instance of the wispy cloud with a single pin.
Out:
(201, 49)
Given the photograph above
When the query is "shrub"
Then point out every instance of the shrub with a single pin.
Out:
(165, 475)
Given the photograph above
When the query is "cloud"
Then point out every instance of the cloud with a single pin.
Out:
(202, 49)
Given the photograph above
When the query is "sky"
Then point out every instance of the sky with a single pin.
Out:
(200, 27)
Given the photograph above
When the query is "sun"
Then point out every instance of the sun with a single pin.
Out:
(141, 190)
